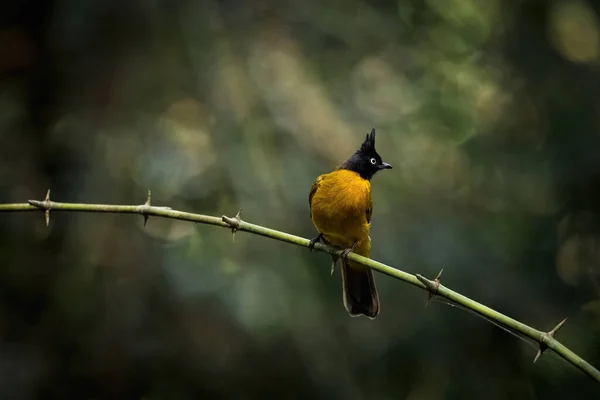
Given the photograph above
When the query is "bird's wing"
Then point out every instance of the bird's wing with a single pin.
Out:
(313, 190)
(369, 209)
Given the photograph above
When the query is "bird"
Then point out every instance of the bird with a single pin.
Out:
(341, 208)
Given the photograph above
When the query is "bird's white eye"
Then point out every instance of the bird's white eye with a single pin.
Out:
(373, 161)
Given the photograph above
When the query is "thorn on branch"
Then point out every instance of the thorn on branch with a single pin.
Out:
(147, 204)
(431, 286)
(540, 351)
(234, 223)
(545, 337)
(44, 205)
(145, 208)
(48, 206)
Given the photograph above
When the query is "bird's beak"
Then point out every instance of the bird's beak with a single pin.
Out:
(385, 165)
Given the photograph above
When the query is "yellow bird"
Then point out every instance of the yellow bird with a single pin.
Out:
(341, 208)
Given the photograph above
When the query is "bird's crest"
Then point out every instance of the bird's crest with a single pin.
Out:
(369, 143)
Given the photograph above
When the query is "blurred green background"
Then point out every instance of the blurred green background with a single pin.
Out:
(489, 112)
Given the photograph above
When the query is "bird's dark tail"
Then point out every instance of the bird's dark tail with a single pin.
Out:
(360, 293)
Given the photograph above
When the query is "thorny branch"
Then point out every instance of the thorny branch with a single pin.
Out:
(545, 340)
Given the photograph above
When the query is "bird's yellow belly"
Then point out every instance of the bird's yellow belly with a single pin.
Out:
(341, 227)
(339, 209)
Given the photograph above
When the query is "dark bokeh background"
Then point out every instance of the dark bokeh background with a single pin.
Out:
(488, 110)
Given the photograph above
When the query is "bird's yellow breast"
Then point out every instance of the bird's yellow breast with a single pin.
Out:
(341, 207)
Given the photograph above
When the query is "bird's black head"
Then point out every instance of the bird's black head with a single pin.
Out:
(366, 161)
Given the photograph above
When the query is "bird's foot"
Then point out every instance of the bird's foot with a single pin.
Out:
(314, 241)
(347, 251)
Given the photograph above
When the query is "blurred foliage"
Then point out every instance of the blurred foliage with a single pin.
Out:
(487, 110)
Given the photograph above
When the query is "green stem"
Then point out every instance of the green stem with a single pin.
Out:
(544, 339)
